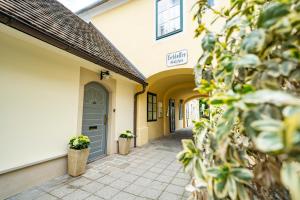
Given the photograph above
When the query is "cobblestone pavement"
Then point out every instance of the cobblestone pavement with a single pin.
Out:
(150, 172)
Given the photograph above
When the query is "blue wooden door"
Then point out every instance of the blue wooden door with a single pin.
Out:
(94, 119)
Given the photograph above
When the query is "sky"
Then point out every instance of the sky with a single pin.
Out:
(75, 5)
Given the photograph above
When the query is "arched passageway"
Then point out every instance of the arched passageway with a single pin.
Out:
(162, 111)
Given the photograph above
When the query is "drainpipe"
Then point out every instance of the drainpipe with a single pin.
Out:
(135, 113)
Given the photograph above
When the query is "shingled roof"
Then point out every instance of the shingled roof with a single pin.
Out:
(51, 22)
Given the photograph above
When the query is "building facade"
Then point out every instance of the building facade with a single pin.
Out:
(160, 41)
(61, 76)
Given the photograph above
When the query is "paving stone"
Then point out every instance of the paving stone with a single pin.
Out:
(180, 182)
(143, 181)
(169, 196)
(124, 196)
(30, 194)
(106, 179)
(107, 192)
(119, 184)
(77, 195)
(150, 175)
(63, 191)
(141, 198)
(92, 187)
(54, 183)
(93, 174)
(175, 189)
(164, 178)
(156, 170)
(183, 176)
(158, 185)
(169, 173)
(117, 174)
(129, 177)
(187, 194)
(134, 189)
(93, 197)
(150, 193)
(137, 172)
(80, 182)
(161, 165)
(47, 197)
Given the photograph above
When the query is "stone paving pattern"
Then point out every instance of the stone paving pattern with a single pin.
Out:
(150, 172)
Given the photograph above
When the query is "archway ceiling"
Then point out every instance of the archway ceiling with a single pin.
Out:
(166, 83)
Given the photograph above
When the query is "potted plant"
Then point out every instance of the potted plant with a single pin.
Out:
(124, 142)
(78, 154)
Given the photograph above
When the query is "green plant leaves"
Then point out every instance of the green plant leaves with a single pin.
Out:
(248, 61)
(290, 176)
(208, 42)
(270, 15)
(250, 74)
(188, 154)
(278, 98)
(254, 42)
(242, 175)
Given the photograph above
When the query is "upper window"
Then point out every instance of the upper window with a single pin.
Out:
(168, 17)
(151, 107)
(211, 2)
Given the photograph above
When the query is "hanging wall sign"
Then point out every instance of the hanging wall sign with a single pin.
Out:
(177, 58)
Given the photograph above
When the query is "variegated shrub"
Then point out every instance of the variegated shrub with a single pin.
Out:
(250, 71)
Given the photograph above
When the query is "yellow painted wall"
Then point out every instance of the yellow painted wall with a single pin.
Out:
(124, 107)
(39, 102)
(131, 28)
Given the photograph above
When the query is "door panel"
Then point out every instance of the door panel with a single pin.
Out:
(95, 106)
(172, 115)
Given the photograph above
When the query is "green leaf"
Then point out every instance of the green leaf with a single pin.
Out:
(221, 188)
(242, 175)
(276, 97)
(271, 14)
(248, 61)
(269, 142)
(268, 125)
(198, 170)
(242, 192)
(254, 42)
(189, 145)
(290, 177)
(232, 188)
(208, 42)
(213, 171)
(287, 67)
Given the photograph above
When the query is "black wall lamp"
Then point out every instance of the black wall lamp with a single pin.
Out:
(104, 75)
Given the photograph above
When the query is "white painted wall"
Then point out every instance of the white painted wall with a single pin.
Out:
(39, 93)
(124, 106)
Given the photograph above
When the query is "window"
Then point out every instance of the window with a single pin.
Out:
(151, 107)
(168, 17)
(211, 2)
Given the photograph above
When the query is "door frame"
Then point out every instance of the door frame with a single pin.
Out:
(107, 114)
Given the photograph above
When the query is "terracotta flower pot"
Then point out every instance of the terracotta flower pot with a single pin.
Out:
(77, 160)
(124, 145)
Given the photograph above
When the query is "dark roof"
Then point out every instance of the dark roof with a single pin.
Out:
(50, 21)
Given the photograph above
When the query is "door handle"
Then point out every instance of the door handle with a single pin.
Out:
(105, 119)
